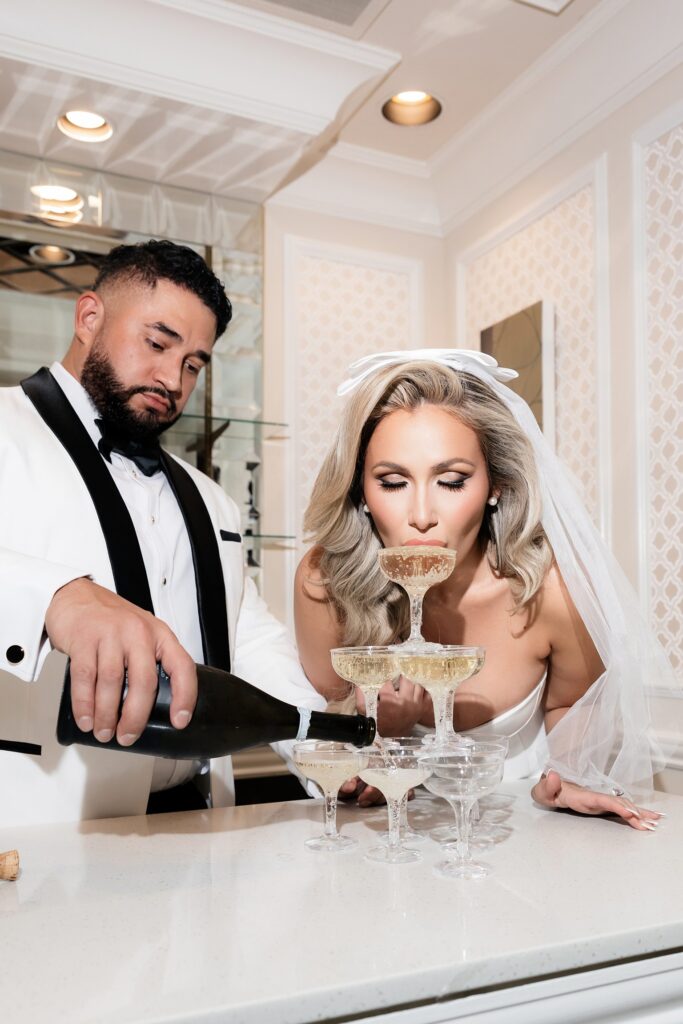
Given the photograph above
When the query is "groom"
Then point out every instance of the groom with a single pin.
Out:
(117, 554)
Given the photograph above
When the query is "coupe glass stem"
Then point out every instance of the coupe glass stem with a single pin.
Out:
(415, 617)
(403, 819)
(394, 841)
(331, 814)
(371, 705)
(440, 703)
(462, 810)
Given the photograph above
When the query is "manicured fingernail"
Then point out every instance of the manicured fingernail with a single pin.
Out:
(635, 813)
(181, 719)
(85, 723)
(128, 738)
(651, 825)
(661, 814)
(104, 735)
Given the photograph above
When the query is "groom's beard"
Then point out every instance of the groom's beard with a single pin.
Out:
(111, 399)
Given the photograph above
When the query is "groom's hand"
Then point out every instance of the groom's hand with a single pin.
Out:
(105, 635)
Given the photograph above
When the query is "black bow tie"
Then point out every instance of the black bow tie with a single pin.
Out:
(145, 454)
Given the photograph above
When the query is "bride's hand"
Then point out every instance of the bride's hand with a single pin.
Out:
(553, 791)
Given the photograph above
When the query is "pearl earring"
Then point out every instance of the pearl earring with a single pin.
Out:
(365, 508)
(493, 500)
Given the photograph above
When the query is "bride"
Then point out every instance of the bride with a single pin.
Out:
(433, 448)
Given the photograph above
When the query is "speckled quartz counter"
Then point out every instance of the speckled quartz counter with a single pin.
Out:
(225, 916)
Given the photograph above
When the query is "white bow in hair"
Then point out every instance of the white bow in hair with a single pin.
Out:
(456, 358)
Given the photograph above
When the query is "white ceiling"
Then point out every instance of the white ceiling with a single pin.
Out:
(464, 52)
(232, 98)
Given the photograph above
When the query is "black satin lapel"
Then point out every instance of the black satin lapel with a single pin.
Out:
(213, 612)
(128, 567)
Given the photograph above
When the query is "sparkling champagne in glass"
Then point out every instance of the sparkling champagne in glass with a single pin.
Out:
(394, 772)
(416, 568)
(440, 670)
(368, 668)
(330, 765)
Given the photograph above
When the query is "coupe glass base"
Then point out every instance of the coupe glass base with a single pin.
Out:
(387, 855)
(455, 869)
(331, 844)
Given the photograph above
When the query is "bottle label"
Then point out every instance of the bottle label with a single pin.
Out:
(304, 722)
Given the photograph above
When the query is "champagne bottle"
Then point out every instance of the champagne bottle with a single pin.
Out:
(230, 715)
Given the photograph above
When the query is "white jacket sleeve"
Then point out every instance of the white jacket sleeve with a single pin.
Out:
(266, 657)
(27, 585)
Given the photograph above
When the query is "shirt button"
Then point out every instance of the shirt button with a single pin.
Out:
(153, 519)
(163, 581)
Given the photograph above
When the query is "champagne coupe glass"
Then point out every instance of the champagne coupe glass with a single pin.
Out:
(482, 835)
(462, 776)
(369, 668)
(416, 568)
(329, 764)
(398, 744)
(394, 772)
(440, 670)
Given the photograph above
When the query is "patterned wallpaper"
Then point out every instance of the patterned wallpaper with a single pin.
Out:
(344, 310)
(554, 259)
(663, 180)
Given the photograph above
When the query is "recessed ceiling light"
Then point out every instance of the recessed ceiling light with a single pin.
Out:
(411, 107)
(51, 255)
(85, 126)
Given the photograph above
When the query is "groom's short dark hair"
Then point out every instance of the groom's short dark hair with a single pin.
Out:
(149, 262)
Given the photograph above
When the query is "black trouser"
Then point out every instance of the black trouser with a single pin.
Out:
(185, 797)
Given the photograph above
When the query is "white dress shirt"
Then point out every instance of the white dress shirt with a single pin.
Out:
(165, 547)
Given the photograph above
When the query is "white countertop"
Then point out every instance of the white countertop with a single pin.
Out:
(225, 916)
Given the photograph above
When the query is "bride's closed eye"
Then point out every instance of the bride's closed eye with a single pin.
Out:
(397, 485)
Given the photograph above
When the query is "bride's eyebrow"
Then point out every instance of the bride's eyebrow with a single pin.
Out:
(441, 467)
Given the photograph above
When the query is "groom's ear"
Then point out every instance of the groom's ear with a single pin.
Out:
(88, 319)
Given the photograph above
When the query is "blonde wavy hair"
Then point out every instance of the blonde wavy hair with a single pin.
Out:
(370, 609)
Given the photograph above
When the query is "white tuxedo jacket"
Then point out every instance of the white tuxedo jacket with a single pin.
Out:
(49, 535)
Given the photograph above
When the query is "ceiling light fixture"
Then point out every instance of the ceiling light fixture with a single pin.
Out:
(51, 255)
(85, 126)
(411, 107)
(55, 193)
(59, 203)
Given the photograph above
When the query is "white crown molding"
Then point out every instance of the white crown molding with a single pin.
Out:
(235, 64)
(552, 6)
(350, 184)
(379, 158)
(286, 30)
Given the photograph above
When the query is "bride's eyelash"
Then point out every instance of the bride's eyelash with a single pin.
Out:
(450, 485)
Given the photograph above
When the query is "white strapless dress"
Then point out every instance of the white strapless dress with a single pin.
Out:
(524, 726)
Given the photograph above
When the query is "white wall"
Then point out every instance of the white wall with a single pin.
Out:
(335, 290)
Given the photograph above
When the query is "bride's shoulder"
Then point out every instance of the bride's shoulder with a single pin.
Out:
(557, 610)
(309, 579)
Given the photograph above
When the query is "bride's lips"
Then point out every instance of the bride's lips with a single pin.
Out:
(415, 542)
